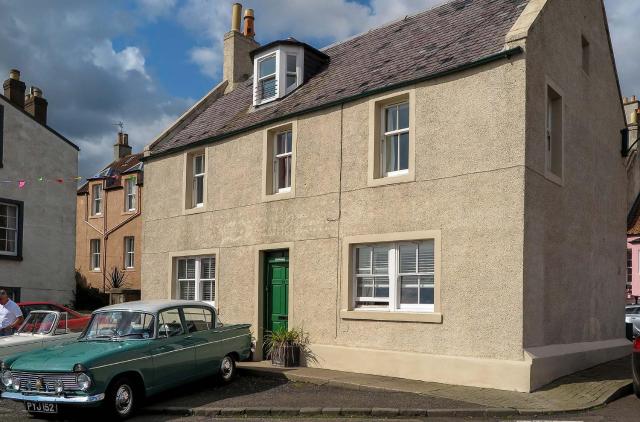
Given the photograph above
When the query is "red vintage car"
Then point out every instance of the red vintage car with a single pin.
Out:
(76, 321)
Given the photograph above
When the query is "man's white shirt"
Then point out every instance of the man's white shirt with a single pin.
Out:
(9, 312)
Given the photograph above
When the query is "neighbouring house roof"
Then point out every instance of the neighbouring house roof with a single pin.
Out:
(442, 40)
(112, 173)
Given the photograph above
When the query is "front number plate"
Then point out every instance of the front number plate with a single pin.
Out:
(36, 407)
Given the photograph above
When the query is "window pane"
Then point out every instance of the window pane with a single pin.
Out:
(186, 268)
(187, 289)
(426, 290)
(404, 151)
(197, 319)
(364, 287)
(409, 289)
(267, 66)
(208, 290)
(281, 143)
(198, 164)
(425, 257)
(391, 118)
(291, 63)
(291, 80)
(381, 287)
(408, 258)
(268, 88)
(391, 149)
(381, 260)
(208, 268)
(289, 141)
(170, 324)
(199, 181)
(363, 260)
(403, 116)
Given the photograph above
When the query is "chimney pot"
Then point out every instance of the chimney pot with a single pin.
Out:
(36, 105)
(249, 23)
(634, 99)
(14, 88)
(14, 74)
(236, 12)
(121, 148)
(36, 92)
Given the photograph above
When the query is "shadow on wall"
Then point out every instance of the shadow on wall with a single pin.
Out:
(87, 298)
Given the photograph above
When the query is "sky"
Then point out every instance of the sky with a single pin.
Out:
(144, 62)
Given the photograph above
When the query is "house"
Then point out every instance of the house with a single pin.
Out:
(108, 224)
(439, 198)
(38, 169)
(632, 109)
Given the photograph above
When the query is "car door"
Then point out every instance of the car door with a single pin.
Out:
(200, 323)
(173, 353)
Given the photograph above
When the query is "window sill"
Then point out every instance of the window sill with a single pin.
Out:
(95, 271)
(129, 270)
(426, 317)
(11, 257)
(131, 212)
(390, 180)
(95, 216)
(194, 210)
(278, 196)
(553, 178)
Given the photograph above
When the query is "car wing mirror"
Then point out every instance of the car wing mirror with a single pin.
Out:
(163, 331)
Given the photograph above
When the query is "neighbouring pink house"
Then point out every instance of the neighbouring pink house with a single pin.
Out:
(633, 253)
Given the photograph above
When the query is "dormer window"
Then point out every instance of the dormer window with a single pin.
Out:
(280, 67)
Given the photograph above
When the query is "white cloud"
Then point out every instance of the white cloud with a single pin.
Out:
(624, 25)
(128, 59)
(207, 58)
(153, 9)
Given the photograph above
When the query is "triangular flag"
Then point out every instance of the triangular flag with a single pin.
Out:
(21, 184)
(41, 179)
(59, 180)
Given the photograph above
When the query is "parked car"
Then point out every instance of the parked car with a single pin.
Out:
(128, 352)
(76, 320)
(635, 366)
(632, 321)
(39, 330)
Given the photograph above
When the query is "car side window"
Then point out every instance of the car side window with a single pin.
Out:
(170, 324)
(198, 319)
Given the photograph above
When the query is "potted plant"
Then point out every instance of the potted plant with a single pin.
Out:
(116, 283)
(285, 346)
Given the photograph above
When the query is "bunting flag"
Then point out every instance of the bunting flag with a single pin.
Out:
(22, 183)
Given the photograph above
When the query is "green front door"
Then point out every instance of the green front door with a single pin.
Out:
(276, 294)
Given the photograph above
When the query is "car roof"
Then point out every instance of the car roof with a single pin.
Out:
(151, 306)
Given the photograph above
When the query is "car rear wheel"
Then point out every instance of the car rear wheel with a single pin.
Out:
(121, 398)
(227, 369)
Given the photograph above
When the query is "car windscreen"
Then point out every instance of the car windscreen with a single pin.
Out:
(38, 323)
(120, 325)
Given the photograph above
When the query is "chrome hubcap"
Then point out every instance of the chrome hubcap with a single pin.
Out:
(124, 400)
(227, 367)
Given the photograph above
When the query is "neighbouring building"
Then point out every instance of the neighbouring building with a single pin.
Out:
(37, 214)
(109, 226)
(632, 109)
(440, 198)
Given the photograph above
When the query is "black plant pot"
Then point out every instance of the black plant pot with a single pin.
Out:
(286, 356)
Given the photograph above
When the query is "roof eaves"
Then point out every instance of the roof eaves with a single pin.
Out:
(504, 54)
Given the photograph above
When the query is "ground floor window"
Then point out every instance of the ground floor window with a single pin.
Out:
(10, 228)
(196, 278)
(394, 276)
(95, 254)
(629, 268)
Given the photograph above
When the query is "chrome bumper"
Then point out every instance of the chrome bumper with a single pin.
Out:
(53, 399)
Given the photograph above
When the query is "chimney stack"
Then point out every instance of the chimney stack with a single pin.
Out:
(238, 66)
(14, 88)
(121, 147)
(35, 105)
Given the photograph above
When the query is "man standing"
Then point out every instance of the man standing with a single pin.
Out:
(10, 315)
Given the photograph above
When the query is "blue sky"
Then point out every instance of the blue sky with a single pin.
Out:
(144, 62)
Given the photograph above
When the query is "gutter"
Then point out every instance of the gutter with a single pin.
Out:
(505, 54)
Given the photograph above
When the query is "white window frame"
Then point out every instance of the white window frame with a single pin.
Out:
(131, 194)
(129, 252)
(275, 163)
(198, 280)
(196, 176)
(549, 140)
(16, 234)
(383, 140)
(274, 76)
(394, 275)
(95, 255)
(96, 200)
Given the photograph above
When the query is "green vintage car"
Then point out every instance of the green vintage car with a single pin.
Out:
(128, 352)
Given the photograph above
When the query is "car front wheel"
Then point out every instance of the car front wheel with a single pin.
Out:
(227, 369)
(121, 398)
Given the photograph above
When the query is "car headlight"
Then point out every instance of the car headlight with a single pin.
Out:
(84, 381)
(7, 379)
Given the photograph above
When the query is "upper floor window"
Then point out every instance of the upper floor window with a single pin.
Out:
(95, 254)
(554, 137)
(198, 180)
(282, 159)
(277, 73)
(1, 133)
(395, 142)
(96, 194)
(9, 229)
(586, 55)
(196, 278)
(130, 194)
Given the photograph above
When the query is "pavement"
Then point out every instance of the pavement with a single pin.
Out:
(294, 394)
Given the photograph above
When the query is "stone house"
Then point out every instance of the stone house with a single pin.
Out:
(37, 214)
(109, 225)
(414, 197)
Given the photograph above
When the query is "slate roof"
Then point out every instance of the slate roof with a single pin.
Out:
(126, 165)
(440, 40)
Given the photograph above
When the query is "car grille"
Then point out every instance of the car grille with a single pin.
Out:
(29, 381)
